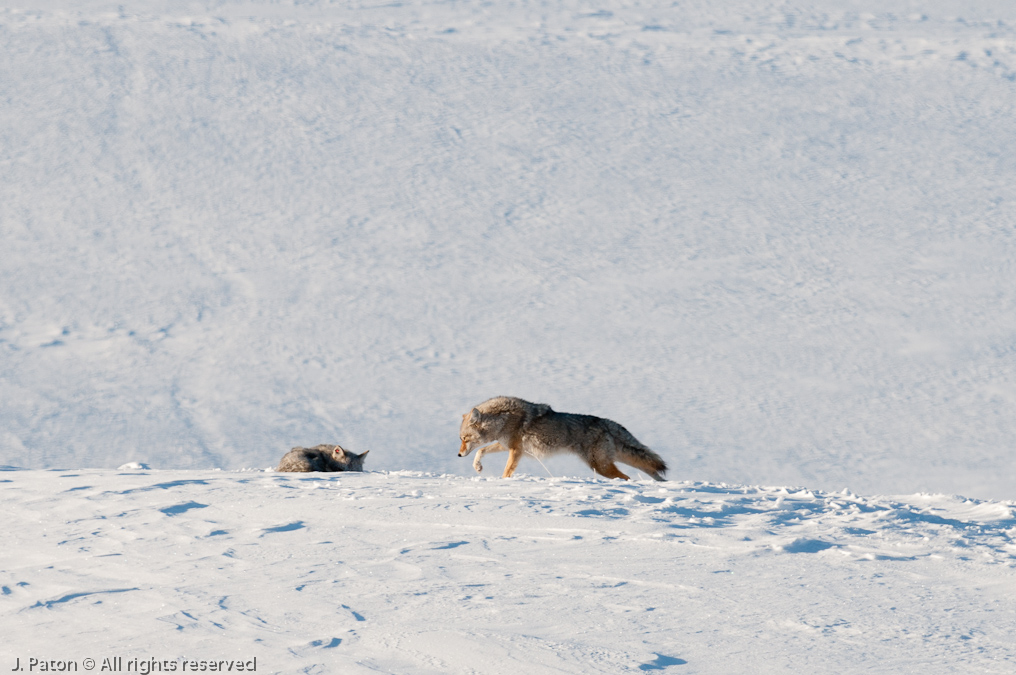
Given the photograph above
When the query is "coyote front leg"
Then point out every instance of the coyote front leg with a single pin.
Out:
(493, 447)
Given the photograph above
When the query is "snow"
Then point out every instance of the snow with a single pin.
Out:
(775, 241)
(410, 572)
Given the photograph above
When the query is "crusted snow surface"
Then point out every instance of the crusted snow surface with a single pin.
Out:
(408, 572)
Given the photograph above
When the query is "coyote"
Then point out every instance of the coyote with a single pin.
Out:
(520, 427)
(322, 458)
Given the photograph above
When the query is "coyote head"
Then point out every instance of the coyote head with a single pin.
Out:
(474, 432)
(347, 461)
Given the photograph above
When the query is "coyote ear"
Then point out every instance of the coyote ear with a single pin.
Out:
(474, 416)
(338, 451)
(364, 453)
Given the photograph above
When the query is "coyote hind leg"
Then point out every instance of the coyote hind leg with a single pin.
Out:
(609, 470)
(513, 461)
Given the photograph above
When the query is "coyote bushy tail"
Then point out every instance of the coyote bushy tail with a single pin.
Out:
(631, 451)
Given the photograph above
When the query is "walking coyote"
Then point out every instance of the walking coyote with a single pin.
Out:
(519, 427)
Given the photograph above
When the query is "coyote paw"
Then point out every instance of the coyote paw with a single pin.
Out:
(477, 465)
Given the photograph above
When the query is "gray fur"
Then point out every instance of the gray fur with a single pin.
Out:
(519, 427)
(322, 457)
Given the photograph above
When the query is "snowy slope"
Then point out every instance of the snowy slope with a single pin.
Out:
(773, 240)
(417, 573)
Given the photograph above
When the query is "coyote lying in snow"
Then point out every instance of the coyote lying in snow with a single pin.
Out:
(322, 458)
(520, 427)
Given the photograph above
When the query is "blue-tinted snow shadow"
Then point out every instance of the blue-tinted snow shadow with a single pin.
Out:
(161, 486)
(288, 527)
(661, 662)
(177, 509)
(453, 544)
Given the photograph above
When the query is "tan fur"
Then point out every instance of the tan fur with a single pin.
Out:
(519, 427)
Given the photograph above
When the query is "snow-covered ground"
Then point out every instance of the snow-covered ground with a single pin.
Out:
(418, 573)
(775, 240)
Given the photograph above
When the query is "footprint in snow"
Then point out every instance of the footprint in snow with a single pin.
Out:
(453, 544)
(177, 509)
(617, 512)
(288, 527)
(661, 662)
(313, 645)
(356, 615)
